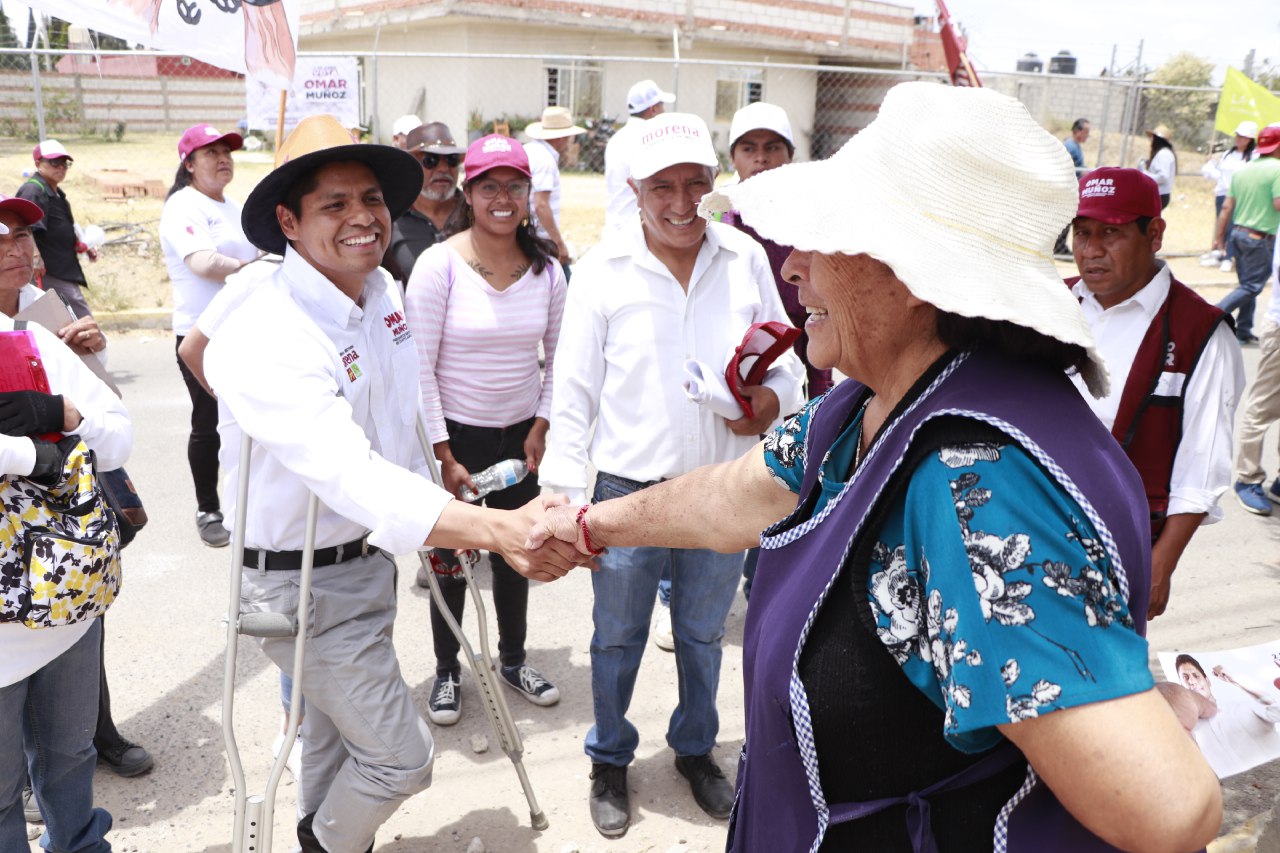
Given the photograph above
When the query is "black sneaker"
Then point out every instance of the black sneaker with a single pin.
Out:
(711, 790)
(124, 758)
(445, 705)
(610, 801)
(30, 810)
(212, 533)
(530, 684)
(1273, 492)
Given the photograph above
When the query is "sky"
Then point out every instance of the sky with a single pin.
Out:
(1001, 31)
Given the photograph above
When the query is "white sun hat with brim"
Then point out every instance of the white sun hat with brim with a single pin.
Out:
(556, 123)
(957, 190)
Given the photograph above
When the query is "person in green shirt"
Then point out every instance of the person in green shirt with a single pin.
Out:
(1254, 202)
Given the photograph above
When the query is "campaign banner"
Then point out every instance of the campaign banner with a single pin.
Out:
(255, 38)
(321, 84)
(1244, 100)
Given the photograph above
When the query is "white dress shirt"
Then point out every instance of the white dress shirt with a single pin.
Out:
(328, 390)
(106, 431)
(620, 199)
(628, 329)
(1202, 466)
(544, 163)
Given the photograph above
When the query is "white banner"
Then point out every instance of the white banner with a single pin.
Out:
(321, 84)
(258, 40)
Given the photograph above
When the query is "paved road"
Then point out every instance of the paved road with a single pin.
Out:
(165, 658)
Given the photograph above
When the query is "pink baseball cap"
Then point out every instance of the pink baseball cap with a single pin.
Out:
(50, 149)
(28, 212)
(1116, 196)
(493, 152)
(203, 135)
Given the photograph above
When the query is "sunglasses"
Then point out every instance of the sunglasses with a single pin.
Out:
(430, 161)
(59, 163)
(490, 189)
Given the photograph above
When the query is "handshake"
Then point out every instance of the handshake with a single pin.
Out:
(546, 538)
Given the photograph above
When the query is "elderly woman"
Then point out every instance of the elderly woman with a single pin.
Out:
(203, 244)
(944, 647)
(48, 676)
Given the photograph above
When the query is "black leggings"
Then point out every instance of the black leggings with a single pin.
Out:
(203, 444)
(476, 448)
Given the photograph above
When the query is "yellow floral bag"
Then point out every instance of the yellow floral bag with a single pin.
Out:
(59, 545)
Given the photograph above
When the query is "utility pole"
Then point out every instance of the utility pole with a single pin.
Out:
(1248, 63)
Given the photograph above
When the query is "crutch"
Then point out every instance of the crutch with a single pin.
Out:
(495, 704)
(255, 814)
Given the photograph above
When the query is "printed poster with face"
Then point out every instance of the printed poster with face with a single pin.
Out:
(1237, 701)
(321, 84)
(257, 38)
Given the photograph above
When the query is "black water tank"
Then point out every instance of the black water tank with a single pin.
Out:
(1030, 62)
(1063, 63)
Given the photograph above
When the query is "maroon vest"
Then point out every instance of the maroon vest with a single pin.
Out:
(1149, 419)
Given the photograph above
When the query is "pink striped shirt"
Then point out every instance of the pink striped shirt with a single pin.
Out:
(477, 346)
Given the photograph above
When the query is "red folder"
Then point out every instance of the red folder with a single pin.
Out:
(21, 368)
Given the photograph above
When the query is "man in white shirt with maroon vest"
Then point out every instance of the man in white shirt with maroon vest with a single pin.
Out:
(1176, 371)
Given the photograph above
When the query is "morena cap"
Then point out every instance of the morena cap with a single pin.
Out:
(203, 135)
(1269, 139)
(979, 244)
(760, 116)
(404, 125)
(29, 212)
(645, 94)
(317, 141)
(557, 122)
(434, 137)
(672, 138)
(50, 149)
(492, 152)
(1116, 196)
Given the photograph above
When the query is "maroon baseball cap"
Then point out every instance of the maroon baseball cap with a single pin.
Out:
(1269, 139)
(1117, 196)
(203, 135)
(50, 149)
(492, 152)
(28, 212)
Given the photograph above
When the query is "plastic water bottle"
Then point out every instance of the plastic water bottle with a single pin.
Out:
(495, 478)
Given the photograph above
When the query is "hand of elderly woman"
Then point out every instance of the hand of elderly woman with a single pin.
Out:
(558, 523)
(83, 336)
(765, 406)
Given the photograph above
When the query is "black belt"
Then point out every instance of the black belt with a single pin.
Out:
(634, 485)
(1255, 234)
(291, 561)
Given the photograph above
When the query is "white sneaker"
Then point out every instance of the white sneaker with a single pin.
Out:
(1228, 266)
(662, 636)
(1210, 259)
(294, 762)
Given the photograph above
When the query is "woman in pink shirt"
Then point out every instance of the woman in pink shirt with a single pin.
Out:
(479, 305)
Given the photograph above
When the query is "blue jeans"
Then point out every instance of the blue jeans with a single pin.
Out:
(1253, 267)
(58, 708)
(703, 584)
(1218, 201)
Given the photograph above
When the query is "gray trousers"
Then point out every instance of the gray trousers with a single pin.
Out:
(71, 293)
(365, 748)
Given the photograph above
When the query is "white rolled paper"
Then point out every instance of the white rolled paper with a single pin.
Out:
(707, 387)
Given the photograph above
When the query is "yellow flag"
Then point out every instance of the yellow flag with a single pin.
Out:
(1244, 100)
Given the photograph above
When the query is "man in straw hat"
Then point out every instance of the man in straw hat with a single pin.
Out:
(439, 211)
(955, 563)
(319, 368)
(549, 139)
(667, 288)
(1176, 371)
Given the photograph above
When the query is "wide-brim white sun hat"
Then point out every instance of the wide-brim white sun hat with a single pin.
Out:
(957, 190)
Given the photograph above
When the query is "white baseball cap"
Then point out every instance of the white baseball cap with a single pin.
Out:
(1247, 128)
(760, 116)
(645, 94)
(405, 125)
(672, 138)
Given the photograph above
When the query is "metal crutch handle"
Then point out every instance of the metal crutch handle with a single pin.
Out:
(495, 704)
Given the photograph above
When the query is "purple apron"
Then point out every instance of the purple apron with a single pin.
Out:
(780, 803)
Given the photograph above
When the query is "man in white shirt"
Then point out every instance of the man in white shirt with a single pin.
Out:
(667, 288)
(644, 101)
(549, 139)
(1176, 371)
(319, 368)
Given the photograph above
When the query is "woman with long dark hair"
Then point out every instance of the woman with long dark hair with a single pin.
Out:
(479, 305)
(203, 244)
(1222, 169)
(1161, 163)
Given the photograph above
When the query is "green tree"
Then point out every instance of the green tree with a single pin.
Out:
(1268, 74)
(1187, 114)
(10, 61)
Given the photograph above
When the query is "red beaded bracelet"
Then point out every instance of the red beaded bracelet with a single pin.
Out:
(586, 537)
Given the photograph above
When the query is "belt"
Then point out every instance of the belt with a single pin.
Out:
(291, 561)
(1257, 235)
(634, 485)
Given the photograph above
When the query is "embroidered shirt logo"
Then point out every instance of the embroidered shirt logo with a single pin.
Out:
(349, 359)
(399, 327)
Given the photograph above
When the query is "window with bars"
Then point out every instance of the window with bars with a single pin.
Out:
(736, 88)
(576, 85)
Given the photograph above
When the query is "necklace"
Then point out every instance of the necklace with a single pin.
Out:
(862, 417)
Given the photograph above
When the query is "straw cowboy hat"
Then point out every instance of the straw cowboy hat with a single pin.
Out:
(315, 142)
(1161, 131)
(557, 122)
(973, 238)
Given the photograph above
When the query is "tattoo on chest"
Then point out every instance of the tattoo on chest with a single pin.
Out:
(488, 274)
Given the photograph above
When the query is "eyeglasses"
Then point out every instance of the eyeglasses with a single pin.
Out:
(490, 189)
(430, 161)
